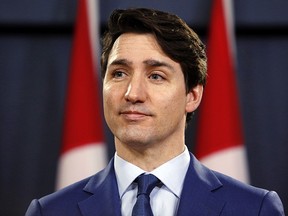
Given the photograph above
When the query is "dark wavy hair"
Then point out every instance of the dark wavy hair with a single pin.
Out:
(175, 37)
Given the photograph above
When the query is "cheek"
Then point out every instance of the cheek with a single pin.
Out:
(174, 99)
(107, 99)
(108, 108)
(107, 92)
(111, 98)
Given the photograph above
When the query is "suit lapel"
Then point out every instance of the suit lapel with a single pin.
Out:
(105, 198)
(197, 197)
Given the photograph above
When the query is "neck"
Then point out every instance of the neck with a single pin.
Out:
(149, 157)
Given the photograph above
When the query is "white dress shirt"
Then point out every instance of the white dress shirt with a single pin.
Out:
(165, 200)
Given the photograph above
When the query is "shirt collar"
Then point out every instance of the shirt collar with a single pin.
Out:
(173, 172)
(126, 173)
(176, 167)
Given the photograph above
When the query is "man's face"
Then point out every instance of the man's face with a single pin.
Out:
(145, 101)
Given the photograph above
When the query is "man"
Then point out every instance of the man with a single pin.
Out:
(154, 71)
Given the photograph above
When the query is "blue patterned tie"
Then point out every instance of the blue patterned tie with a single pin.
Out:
(146, 183)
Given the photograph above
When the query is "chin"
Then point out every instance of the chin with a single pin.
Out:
(135, 139)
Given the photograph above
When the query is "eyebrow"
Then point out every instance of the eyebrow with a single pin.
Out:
(156, 63)
(123, 62)
(149, 62)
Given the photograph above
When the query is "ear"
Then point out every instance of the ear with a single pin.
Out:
(193, 98)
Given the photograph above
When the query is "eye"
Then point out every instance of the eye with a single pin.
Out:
(156, 77)
(118, 74)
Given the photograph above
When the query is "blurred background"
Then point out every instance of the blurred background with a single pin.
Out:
(35, 48)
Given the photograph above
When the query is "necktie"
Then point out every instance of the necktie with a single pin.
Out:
(146, 183)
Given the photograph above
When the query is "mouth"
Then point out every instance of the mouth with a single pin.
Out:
(134, 115)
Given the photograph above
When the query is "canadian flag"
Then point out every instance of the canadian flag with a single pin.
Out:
(220, 142)
(83, 151)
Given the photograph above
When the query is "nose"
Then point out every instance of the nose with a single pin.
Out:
(136, 90)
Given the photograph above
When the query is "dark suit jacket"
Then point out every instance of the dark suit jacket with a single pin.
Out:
(205, 192)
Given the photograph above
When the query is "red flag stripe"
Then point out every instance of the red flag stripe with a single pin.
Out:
(219, 121)
(82, 122)
(220, 138)
(83, 151)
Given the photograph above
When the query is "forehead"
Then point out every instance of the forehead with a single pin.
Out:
(137, 47)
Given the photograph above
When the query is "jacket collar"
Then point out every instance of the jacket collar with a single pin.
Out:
(105, 198)
(197, 197)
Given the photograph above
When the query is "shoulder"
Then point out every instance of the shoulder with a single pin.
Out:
(60, 202)
(72, 192)
(65, 201)
(56, 203)
(237, 187)
(248, 198)
(81, 189)
(238, 198)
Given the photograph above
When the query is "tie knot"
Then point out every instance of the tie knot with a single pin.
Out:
(146, 183)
